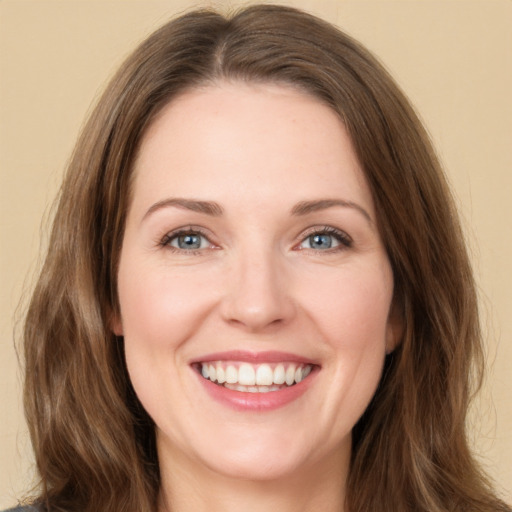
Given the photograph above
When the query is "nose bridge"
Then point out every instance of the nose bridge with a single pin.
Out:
(257, 294)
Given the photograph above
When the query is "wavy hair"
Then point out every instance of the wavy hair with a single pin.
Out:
(94, 443)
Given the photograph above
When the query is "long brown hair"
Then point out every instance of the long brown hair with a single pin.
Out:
(93, 441)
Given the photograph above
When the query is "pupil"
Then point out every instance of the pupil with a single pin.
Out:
(189, 242)
(321, 241)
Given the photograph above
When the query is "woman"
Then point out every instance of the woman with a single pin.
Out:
(256, 294)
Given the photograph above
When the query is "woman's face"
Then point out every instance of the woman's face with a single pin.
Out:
(254, 289)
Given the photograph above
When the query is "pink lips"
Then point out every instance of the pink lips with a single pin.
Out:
(254, 357)
(242, 401)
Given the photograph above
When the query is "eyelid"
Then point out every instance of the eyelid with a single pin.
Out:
(344, 239)
(185, 230)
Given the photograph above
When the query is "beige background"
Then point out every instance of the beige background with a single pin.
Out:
(453, 57)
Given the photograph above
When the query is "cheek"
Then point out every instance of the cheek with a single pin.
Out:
(160, 311)
(352, 310)
(158, 307)
(354, 321)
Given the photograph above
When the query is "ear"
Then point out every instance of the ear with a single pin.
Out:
(116, 323)
(395, 326)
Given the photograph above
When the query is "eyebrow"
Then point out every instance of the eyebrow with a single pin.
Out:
(206, 207)
(214, 209)
(307, 207)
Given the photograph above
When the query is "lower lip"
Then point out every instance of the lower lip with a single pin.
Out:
(242, 401)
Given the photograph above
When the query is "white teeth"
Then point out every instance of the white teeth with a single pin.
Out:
(246, 375)
(212, 372)
(231, 375)
(221, 375)
(264, 375)
(255, 378)
(290, 375)
(279, 374)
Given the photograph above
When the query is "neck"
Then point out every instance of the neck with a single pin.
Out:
(319, 486)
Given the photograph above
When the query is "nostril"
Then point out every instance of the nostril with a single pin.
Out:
(256, 295)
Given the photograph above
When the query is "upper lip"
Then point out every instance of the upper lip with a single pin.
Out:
(246, 356)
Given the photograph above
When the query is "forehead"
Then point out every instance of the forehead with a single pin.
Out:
(274, 140)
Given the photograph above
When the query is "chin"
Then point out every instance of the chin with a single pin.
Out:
(262, 468)
(265, 454)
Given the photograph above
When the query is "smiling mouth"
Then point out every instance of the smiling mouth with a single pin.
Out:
(254, 378)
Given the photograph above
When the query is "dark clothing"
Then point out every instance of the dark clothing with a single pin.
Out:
(27, 508)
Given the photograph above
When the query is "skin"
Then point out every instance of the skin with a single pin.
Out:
(258, 284)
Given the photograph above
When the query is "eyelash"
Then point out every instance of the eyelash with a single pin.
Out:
(342, 237)
(190, 230)
(344, 240)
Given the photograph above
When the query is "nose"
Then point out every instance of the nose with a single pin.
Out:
(258, 293)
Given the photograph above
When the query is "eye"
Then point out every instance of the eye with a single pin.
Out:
(325, 239)
(188, 240)
(320, 241)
